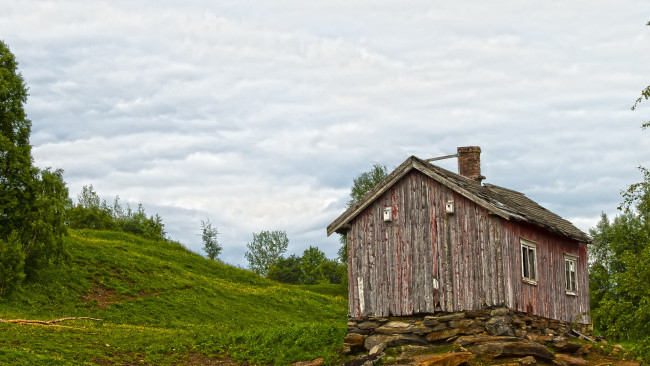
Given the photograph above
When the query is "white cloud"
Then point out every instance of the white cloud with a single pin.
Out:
(259, 115)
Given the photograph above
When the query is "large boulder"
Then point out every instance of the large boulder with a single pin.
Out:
(442, 335)
(477, 339)
(512, 349)
(567, 347)
(500, 312)
(450, 317)
(499, 326)
(368, 325)
(408, 340)
(377, 339)
(353, 343)
(394, 327)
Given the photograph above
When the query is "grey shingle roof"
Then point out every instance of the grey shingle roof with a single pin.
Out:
(506, 203)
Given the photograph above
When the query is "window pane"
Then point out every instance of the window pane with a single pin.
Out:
(531, 265)
(574, 286)
(524, 261)
(567, 276)
(570, 266)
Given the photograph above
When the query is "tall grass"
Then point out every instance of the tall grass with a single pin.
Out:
(160, 303)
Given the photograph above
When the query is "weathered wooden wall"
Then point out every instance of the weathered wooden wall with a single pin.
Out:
(426, 259)
(548, 298)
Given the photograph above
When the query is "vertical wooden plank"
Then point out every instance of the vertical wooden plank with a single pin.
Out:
(436, 245)
(384, 279)
(419, 305)
(421, 250)
(478, 297)
(363, 264)
(407, 267)
(498, 247)
(426, 248)
(481, 242)
(502, 234)
(465, 254)
(471, 297)
(488, 264)
(447, 256)
(358, 268)
(414, 288)
(400, 254)
(492, 245)
(395, 257)
(462, 252)
(378, 223)
(353, 299)
(456, 260)
(380, 254)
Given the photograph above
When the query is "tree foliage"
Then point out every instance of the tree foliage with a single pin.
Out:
(32, 202)
(620, 266)
(366, 181)
(12, 263)
(312, 260)
(91, 212)
(287, 270)
(209, 237)
(361, 185)
(265, 249)
(311, 268)
(48, 222)
(620, 270)
(17, 174)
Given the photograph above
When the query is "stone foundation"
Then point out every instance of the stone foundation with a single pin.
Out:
(364, 334)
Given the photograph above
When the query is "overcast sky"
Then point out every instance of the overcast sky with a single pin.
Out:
(257, 115)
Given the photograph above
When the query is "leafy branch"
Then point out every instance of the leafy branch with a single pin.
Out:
(645, 94)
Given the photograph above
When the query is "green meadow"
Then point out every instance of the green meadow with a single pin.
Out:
(158, 303)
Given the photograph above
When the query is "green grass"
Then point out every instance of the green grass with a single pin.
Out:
(159, 304)
(328, 289)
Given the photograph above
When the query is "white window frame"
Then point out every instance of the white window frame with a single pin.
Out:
(528, 261)
(571, 274)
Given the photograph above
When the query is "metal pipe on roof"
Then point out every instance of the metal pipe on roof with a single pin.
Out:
(441, 157)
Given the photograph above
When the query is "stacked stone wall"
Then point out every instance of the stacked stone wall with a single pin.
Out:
(444, 328)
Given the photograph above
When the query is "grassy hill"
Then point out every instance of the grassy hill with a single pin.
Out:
(162, 304)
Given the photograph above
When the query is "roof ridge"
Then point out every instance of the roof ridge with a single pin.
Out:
(489, 186)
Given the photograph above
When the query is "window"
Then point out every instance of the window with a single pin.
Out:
(528, 261)
(570, 270)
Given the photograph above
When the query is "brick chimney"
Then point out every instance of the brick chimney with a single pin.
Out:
(469, 162)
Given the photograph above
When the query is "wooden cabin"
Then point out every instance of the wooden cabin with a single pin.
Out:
(426, 239)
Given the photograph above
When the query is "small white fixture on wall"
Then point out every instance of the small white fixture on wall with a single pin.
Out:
(449, 207)
(388, 214)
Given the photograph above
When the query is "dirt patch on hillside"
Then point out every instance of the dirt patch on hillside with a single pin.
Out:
(106, 297)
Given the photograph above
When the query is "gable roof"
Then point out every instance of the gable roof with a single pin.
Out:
(503, 202)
